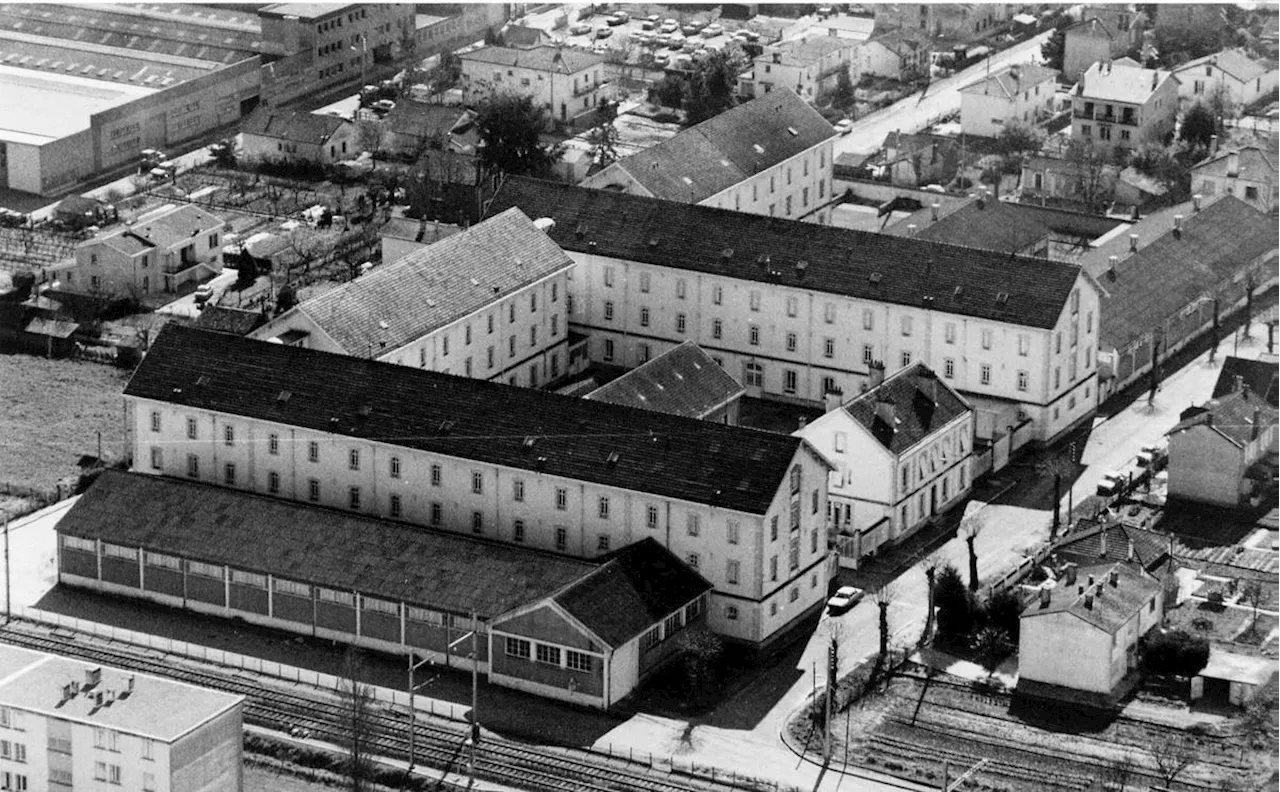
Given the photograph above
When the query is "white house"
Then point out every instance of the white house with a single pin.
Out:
(1244, 79)
(569, 476)
(1083, 634)
(161, 251)
(1218, 451)
(486, 303)
(808, 66)
(799, 310)
(1249, 173)
(900, 454)
(1020, 94)
(1121, 104)
(566, 81)
(68, 723)
(900, 54)
(769, 156)
(292, 135)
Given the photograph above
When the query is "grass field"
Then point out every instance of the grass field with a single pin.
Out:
(50, 413)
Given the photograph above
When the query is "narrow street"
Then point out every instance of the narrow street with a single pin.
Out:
(914, 112)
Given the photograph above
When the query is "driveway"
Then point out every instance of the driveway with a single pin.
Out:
(916, 112)
(186, 307)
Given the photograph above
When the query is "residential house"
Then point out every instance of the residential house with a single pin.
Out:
(1249, 173)
(923, 158)
(854, 28)
(567, 82)
(1118, 105)
(359, 580)
(1021, 94)
(1109, 539)
(163, 250)
(1133, 188)
(1105, 32)
(1022, 229)
(802, 310)
(809, 66)
(1090, 185)
(682, 381)
(224, 319)
(412, 127)
(295, 136)
(958, 21)
(523, 36)
(403, 235)
(900, 454)
(1213, 253)
(1243, 79)
(1223, 452)
(574, 477)
(484, 303)
(1083, 634)
(771, 155)
(1262, 376)
(70, 720)
(900, 54)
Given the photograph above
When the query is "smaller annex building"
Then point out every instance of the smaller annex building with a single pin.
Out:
(586, 631)
(683, 381)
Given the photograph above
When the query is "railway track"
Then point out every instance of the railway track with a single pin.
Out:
(442, 747)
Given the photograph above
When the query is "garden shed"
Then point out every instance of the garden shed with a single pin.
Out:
(1233, 678)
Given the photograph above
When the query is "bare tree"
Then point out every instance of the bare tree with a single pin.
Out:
(1118, 774)
(1252, 594)
(1090, 165)
(1059, 468)
(931, 564)
(884, 597)
(1172, 757)
(992, 645)
(970, 527)
(370, 136)
(359, 725)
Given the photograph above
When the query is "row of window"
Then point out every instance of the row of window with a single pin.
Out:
(547, 654)
(13, 751)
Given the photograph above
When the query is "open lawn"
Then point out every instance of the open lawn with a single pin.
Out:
(52, 411)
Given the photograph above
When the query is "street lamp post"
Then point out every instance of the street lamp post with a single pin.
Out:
(474, 738)
(413, 689)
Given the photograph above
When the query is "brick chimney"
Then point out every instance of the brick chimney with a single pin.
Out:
(1257, 425)
(1233, 164)
(1102, 548)
(875, 374)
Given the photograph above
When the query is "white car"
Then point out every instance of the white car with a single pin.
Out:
(844, 598)
(844, 126)
(712, 30)
(579, 29)
(669, 26)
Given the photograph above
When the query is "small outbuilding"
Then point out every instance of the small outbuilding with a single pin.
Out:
(1233, 678)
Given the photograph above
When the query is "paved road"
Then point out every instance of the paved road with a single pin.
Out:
(914, 113)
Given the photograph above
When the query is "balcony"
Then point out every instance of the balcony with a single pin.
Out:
(586, 89)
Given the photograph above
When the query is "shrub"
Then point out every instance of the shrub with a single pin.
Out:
(1003, 612)
(1175, 653)
(955, 606)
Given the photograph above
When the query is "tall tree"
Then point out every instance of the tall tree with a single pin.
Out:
(604, 135)
(1198, 125)
(358, 722)
(700, 649)
(844, 95)
(1172, 757)
(931, 564)
(1054, 48)
(955, 606)
(712, 88)
(991, 645)
(1090, 165)
(510, 127)
(885, 597)
(970, 527)
(1058, 467)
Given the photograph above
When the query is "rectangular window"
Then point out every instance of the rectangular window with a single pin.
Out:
(906, 325)
(949, 368)
(313, 451)
(608, 276)
(577, 661)
(1023, 380)
(353, 459)
(191, 429)
(608, 349)
(906, 358)
(733, 531)
(395, 467)
(773, 568)
(949, 333)
(692, 560)
(229, 474)
(517, 490)
(717, 295)
(603, 507)
(437, 512)
(533, 336)
(717, 328)
(731, 572)
(229, 435)
(156, 458)
(517, 531)
(313, 489)
(273, 444)
(868, 319)
(868, 354)
(651, 516)
(791, 342)
(155, 421)
(562, 498)
(985, 375)
(602, 543)
(511, 346)
(548, 655)
(477, 482)
(353, 498)
(533, 302)
(518, 647)
(754, 335)
(828, 347)
(273, 482)
(562, 538)
(435, 475)
(731, 612)
(644, 317)
(555, 325)
(477, 522)
(1024, 344)
(555, 292)
(693, 524)
(754, 300)
(395, 506)
(986, 338)
(789, 380)
(680, 323)
(644, 283)
(793, 306)
(608, 310)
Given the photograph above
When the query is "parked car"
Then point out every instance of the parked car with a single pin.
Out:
(641, 37)
(691, 28)
(204, 293)
(661, 58)
(604, 32)
(619, 18)
(844, 599)
(669, 26)
(579, 29)
(648, 24)
(712, 30)
(844, 126)
(676, 41)
(383, 106)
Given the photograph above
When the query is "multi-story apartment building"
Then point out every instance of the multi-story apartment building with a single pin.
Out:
(900, 455)
(1249, 173)
(1120, 104)
(807, 66)
(1020, 94)
(1105, 32)
(322, 45)
(769, 156)
(567, 82)
(67, 724)
(798, 310)
(487, 303)
(160, 251)
(578, 477)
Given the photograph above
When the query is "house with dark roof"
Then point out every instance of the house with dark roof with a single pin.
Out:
(488, 302)
(1020, 94)
(796, 310)
(1262, 376)
(567, 82)
(682, 381)
(1214, 253)
(769, 156)
(901, 454)
(164, 250)
(1223, 452)
(225, 319)
(414, 126)
(292, 135)
(1250, 173)
(1081, 635)
(380, 585)
(574, 477)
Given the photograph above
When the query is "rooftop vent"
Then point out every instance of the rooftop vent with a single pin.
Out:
(528, 443)
(875, 278)
(612, 459)
(366, 410)
(727, 253)
(580, 231)
(759, 149)
(1002, 298)
(540, 463)
(958, 294)
(382, 325)
(201, 381)
(283, 397)
(475, 282)
(333, 423)
(446, 426)
(792, 131)
(653, 242)
(801, 267)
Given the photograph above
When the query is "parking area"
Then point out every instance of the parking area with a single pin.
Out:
(665, 37)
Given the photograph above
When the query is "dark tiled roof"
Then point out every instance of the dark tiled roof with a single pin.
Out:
(424, 120)
(1252, 162)
(1215, 243)
(1002, 226)
(697, 461)
(564, 60)
(1149, 548)
(299, 127)
(684, 381)
(1260, 375)
(325, 547)
(1231, 416)
(634, 589)
(922, 404)
(728, 148)
(1012, 81)
(436, 285)
(222, 319)
(838, 261)
(1113, 607)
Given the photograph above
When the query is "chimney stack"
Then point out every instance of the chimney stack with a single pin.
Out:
(1088, 601)
(1233, 164)
(1069, 575)
(1114, 578)
(875, 374)
(1133, 243)
(1237, 384)
(1195, 201)
(1257, 425)
(1045, 597)
(832, 399)
(1213, 144)
(1102, 549)
(933, 211)
(911, 229)
(1090, 583)
(1177, 226)
(803, 422)
(1130, 556)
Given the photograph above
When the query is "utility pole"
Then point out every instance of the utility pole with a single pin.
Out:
(413, 710)
(949, 786)
(8, 604)
(474, 738)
